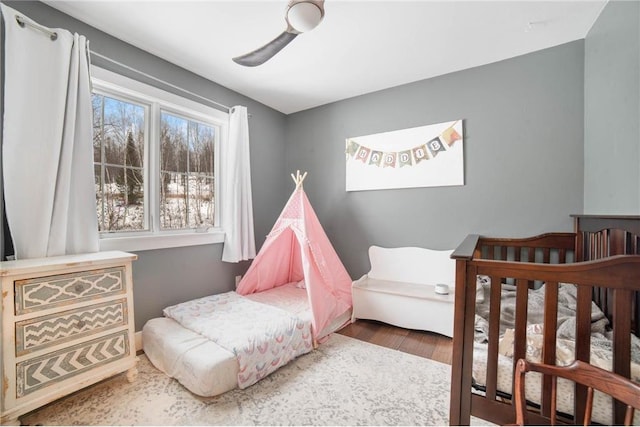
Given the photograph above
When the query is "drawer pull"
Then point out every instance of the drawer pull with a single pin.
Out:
(78, 288)
(81, 324)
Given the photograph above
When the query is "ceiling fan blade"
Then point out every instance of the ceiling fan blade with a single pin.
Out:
(266, 52)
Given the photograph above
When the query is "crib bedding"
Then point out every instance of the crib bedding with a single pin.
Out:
(601, 403)
(601, 347)
(214, 344)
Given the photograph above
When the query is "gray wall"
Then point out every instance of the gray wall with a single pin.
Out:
(612, 111)
(168, 276)
(523, 149)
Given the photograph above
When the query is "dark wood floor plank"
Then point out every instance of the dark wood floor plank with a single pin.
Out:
(420, 343)
(361, 330)
(389, 336)
(443, 352)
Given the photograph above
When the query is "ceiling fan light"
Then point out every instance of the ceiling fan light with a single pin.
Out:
(304, 17)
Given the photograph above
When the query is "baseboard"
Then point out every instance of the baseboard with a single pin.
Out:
(138, 338)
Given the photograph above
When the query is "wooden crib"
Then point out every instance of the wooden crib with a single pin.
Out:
(601, 257)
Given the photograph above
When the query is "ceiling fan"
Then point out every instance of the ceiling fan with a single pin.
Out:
(301, 16)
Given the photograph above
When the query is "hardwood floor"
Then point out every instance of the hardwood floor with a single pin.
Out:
(424, 344)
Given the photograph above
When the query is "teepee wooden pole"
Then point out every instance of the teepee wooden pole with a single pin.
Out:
(298, 178)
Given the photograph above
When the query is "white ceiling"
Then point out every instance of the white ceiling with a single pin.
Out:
(360, 46)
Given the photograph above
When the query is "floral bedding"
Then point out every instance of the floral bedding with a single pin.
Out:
(262, 337)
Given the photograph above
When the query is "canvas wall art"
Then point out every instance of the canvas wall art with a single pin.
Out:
(425, 156)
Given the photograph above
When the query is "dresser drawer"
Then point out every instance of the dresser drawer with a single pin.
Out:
(57, 328)
(53, 291)
(53, 368)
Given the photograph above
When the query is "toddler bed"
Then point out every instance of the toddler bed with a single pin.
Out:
(217, 343)
(551, 298)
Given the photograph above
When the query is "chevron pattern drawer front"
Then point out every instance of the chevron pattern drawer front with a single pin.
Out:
(57, 328)
(53, 368)
(52, 291)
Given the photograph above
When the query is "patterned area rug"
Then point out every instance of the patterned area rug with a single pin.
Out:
(344, 382)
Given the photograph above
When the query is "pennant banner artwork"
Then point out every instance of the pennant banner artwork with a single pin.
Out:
(426, 156)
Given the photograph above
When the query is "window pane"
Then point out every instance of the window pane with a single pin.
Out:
(201, 203)
(173, 135)
(99, 196)
(173, 200)
(96, 100)
(201, 143)
(123, 204)
(187, 168)
(118, 144)
(123, 131)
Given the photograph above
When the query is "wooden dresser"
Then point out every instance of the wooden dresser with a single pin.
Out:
(67, 322)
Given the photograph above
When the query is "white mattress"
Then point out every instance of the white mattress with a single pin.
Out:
(201, 365)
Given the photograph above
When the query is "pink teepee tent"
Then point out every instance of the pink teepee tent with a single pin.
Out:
(297, 248)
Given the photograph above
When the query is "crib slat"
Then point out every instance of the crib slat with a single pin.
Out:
(562, 256)
(546, 255)
(531, 258)
(621, 342)
(583, 344)
(494, 337)
(549, 346)
(461, 379)
(634, 242)
(617, 242)
(520, 328)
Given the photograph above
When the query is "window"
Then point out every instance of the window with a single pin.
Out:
(155, 165)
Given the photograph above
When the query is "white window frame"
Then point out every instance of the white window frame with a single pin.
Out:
(156, 100)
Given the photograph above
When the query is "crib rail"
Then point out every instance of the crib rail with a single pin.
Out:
(546, 248)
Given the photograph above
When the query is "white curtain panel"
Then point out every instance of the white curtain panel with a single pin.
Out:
(47, 142)
(237, 206)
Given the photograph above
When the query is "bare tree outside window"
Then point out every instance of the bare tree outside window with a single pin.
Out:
(186, 173)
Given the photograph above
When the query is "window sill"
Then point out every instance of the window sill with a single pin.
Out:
(160, 241)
